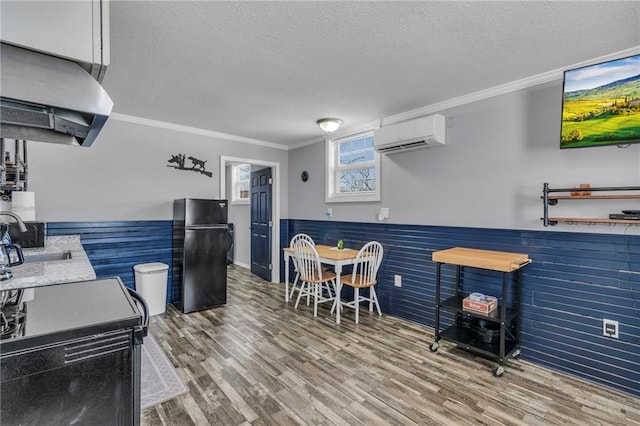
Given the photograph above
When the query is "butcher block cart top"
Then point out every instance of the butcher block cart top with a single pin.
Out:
(484, 259)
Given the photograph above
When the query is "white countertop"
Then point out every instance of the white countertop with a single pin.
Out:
(78, 268)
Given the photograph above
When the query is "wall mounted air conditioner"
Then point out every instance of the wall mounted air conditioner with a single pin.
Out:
(413, 134)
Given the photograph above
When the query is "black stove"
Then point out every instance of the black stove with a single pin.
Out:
(71, 352)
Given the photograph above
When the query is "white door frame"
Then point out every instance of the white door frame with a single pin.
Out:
(275, 207)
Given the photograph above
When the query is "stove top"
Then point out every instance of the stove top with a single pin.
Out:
(64, 311)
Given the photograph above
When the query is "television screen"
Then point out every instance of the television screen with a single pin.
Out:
(601, 104)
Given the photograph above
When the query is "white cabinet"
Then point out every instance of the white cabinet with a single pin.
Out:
(75, 30)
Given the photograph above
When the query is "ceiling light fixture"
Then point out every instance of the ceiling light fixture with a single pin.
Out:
(329, 124)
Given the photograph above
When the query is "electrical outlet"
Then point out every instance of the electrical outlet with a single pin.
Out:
(610, 328)
(397, 280)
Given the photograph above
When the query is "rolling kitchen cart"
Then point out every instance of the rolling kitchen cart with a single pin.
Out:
(504, 318)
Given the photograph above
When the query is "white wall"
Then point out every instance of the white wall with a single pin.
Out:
(241, 222)
(124, 174)
(240, 216)
(498, 153)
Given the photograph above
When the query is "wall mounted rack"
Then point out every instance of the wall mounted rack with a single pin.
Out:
(607, 193)
(14, 173)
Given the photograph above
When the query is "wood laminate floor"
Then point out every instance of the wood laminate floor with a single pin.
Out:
(259, 361)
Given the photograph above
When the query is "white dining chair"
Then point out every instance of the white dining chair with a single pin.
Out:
(364, 275)
(314, 281)
(295, 265)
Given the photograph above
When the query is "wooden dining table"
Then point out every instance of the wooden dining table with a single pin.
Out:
(329, 256)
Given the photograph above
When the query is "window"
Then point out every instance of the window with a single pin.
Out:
(240, 178)
(353, 169)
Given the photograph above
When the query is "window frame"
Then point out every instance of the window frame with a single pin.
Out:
(235, 183)
(332, 169)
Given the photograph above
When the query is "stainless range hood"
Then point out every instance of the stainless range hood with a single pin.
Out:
(48, 99)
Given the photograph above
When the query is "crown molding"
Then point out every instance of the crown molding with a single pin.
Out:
(353, 130)
(513, 86)
(194, 130)
(306, 142)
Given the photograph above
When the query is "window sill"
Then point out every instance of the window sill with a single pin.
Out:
(353, 198)
(240, 202)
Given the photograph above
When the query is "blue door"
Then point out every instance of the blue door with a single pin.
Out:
(261, 223)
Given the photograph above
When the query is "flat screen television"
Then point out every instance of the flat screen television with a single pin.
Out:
(601, 104)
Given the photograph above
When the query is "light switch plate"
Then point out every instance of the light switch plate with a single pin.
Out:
(397, 280)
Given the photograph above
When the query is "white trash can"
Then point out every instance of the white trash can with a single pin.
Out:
(151, 283)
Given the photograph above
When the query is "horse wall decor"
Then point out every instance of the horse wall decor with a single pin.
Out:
(177, 162)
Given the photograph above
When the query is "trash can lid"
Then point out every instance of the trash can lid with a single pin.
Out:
(151, 267)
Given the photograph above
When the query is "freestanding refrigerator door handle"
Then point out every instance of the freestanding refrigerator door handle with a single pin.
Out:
(211, 226)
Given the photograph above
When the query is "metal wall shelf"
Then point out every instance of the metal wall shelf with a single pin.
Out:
(552, 200)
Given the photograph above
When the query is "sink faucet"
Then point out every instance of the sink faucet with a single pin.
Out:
(16, 217)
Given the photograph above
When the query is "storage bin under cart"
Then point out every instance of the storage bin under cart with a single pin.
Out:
(505, 319)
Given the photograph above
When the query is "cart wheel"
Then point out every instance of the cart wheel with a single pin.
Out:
(434, 347)
(498, 371)
(516, 354)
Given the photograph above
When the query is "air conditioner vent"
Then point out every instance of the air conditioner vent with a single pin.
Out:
(408, 135)
(24, 114)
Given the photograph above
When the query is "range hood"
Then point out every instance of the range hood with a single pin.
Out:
(48, 99)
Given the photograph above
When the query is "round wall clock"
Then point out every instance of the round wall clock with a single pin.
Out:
(304, 176)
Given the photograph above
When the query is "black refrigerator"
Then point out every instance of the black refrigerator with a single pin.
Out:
(200, 242)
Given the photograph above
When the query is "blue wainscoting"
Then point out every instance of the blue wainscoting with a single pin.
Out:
(575, 280)
(115, 247)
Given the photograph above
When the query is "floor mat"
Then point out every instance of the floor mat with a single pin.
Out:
(160, 381)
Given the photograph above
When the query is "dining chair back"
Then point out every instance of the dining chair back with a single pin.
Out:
(367, 263)
(295, 261)
(315, 282)
(364, 275)
(301, 236)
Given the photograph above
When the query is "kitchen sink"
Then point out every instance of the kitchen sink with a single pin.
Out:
(47, 257)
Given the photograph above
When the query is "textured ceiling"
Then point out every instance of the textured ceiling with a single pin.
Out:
(268, 70)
